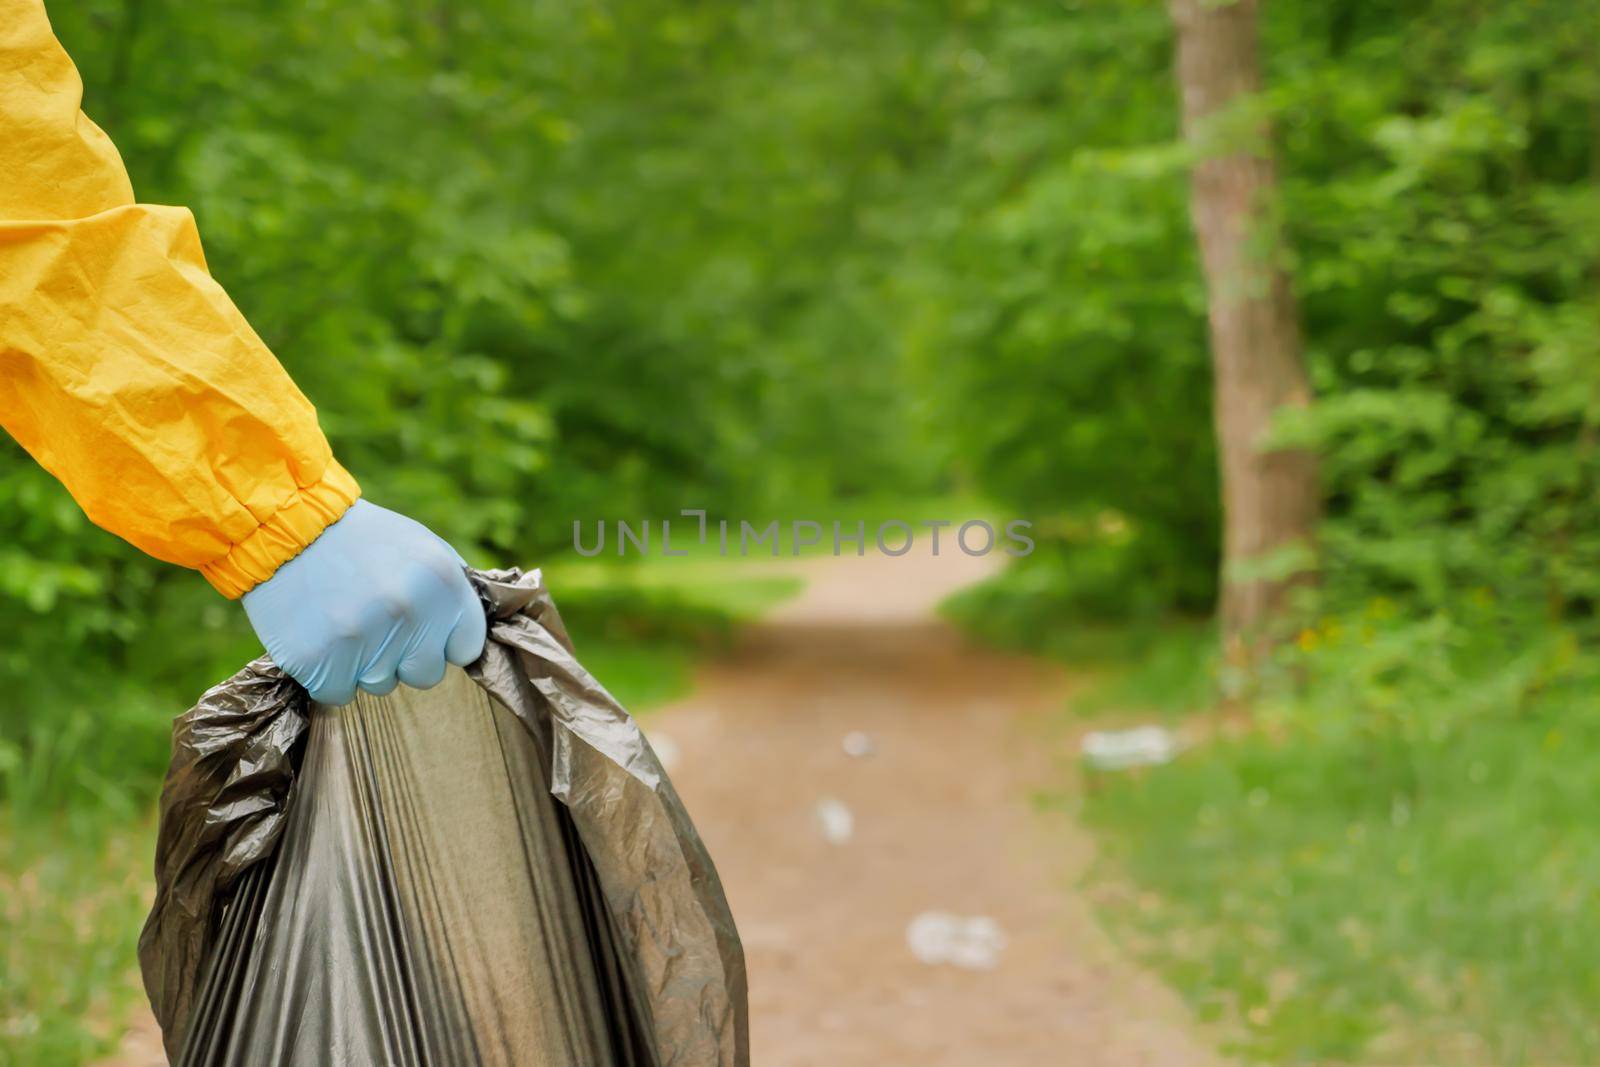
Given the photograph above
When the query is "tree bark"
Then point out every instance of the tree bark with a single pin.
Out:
(1271, 499)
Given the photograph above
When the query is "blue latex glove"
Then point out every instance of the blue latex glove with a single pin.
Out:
(377, 599)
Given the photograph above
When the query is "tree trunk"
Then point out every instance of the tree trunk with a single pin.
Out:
(1271, 499)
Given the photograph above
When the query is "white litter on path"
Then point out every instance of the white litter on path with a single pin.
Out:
(974, 942)
(1118, 750)
(838, 823)
(859, 743)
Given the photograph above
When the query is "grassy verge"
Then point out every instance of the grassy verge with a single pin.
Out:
(71, 906)
(1148, 664)
(1395, 863)
(641, 629)
(81, 759)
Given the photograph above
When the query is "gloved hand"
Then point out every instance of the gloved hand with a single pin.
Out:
(375, 600)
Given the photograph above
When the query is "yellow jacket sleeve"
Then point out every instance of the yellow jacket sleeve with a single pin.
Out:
(125, 370)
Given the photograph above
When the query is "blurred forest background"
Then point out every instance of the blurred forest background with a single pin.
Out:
(582, 259)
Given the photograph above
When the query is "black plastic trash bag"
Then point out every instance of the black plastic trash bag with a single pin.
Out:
(495, 871)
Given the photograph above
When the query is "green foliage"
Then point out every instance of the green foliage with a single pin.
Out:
(73, 896)
(547, 261)
(1056, 322)
(642, 639)
(1443, 189)
(1441, 193)
(584, 259)
(1392, 865)
(1396, 865)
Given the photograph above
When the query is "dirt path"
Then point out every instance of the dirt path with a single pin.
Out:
(941, 822)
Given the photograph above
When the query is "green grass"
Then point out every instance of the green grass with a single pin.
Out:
(641, 632)
(641, 677)
(1396, 863)
(1371, 899)
(641, 625)
(1148, 664)
(1391, 861)
(73, 897)
(733, 590)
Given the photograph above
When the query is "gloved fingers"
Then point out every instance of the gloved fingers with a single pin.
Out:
(332, 679)
(422, 610)
(459, 641)
(424, 667)
(336, 692)
(379, 675)
(465, 643)
(379, 686)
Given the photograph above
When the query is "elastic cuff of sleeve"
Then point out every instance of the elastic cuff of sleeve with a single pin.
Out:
(296, 524)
